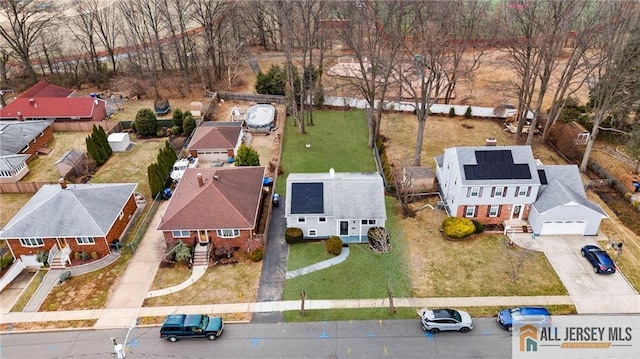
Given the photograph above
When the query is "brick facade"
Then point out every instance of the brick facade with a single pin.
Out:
(504, 213)
(242, 242)
(40, 141)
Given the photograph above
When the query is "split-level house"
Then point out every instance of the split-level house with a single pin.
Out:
(215, 207)
(216, 141)
(65, 218)
(344, 204)
(506, 185)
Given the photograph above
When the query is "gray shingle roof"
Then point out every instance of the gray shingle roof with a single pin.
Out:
(349, 195)
(565, 185)
(15, 135)
(11, 162)
(520, 155)
(79, 210)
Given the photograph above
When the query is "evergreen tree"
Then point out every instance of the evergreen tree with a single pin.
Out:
(171, 153)
(155, 183)
(177, 119)
(95, 152)
(247, 156)
(100, 149)
(164, 163)
(105, 140)
(146, 122)
(189, 125)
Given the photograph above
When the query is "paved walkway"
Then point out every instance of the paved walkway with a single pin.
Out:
(129, 315)
(196, 273)
(321, 265)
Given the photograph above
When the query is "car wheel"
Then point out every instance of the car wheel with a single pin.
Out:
(434, 331)
(464, 330)
(212, 337)
(510, 328)
(173, 339)
(583, 253)
(595, 269)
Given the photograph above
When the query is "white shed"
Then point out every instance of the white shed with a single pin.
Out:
(119, 142)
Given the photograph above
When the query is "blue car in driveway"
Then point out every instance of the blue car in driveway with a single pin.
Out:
(599, 259)
(538, 316)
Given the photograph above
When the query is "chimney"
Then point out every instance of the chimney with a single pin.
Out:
(32, 102)
(63, 184)
(216, 177)
(20, 117)
(491, 141)
(200, 180)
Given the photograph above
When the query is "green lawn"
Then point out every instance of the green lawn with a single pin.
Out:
(338, 140)
(363, 275)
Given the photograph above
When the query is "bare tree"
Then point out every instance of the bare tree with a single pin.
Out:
(374, 33)
(614, 83)
(82, 27)
(174, 14)
(108, 28)
(26, 21)
(516, 258)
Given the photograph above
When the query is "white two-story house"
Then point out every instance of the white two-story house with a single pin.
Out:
(495, 184)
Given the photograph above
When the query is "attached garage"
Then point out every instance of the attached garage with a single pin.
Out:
(213, 155)
(563, 227)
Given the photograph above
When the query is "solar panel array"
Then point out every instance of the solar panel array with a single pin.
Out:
(496, 165)
(543, 177)
(307, 198)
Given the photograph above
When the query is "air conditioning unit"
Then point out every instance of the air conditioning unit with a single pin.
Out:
(440, 205)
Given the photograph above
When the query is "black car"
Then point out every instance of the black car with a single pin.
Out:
(599, 259)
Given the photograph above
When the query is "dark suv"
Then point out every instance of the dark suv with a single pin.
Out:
(191, 325)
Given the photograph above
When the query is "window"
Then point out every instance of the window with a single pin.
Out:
(523, 191)
(499, 192)
(322, 219)
(120, 215)
(180, 234)
(473, 192)
(301, 220)
(32, 242)
(85, 240)
(313, 233)
(470, 211)
(494, 210)
(368, 221)
(228, 233)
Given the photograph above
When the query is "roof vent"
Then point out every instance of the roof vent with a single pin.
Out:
(216, 177)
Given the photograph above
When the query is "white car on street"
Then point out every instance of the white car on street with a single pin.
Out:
(440, 320)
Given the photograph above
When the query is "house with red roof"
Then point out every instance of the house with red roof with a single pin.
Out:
(215, 207)
(45, 101)
(216, 141)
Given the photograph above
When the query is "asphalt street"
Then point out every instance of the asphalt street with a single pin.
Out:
(347, 339)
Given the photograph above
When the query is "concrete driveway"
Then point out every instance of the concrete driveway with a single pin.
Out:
(591, 293)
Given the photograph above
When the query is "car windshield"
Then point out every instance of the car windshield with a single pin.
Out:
(455, 315)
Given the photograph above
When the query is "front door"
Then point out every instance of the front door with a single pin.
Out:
(62, 242)
(203, 239)
(344, 228)
(517, 212)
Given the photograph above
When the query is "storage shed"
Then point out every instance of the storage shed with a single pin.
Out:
(119, 142)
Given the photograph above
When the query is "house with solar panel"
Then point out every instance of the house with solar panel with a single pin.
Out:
(506, 185)
(342, 204)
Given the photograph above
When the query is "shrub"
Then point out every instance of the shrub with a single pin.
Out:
(247, 156)
(146, 122)
(468, 113)
(452, 112)
(42, 257)
(94, 255)
(256, 255)
(456, 227)
(77, 256)
(293, 235)
(334, 245)
(176, 130)
(84, 256)
(479, 226)
(5, 261)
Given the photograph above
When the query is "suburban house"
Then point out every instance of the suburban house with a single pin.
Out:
(335, 204)
(45, 101)
(13, 168)
(506, 185)
(216, 141)
(65, 218)
(19, 142)
(215, 207)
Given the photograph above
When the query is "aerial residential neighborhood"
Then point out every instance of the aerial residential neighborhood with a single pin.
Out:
(467, 166)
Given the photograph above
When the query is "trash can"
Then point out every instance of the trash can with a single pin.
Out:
(276, 200)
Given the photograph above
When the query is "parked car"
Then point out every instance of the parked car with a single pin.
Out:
(509, 317)
(191, 326)
(438, 320)
(599, 259)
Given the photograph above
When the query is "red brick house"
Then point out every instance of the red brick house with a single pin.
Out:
(94, 216)
(44, 101)
(217, 207)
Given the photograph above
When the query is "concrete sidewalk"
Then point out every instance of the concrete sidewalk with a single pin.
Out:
(122, 318)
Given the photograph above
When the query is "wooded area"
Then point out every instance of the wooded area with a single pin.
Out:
(421, 50)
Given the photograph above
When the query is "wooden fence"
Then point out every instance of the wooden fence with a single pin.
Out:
(23, 187)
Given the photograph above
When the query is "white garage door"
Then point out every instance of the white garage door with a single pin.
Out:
(210, 156)
(563, 227)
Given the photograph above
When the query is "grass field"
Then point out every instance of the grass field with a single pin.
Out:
(337, 140)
